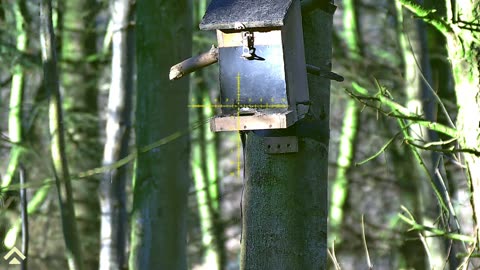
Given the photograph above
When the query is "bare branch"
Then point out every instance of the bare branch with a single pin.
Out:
(194, 63)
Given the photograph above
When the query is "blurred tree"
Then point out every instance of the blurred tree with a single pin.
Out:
(16, 16)
(163, 35)
(58, 155)
(411, 40)
(204, 161)
(461, 32)
(346, 148)
(112, 189)
(79, 79)
(205, 176)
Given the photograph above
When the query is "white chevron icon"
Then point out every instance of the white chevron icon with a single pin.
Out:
(15, 253)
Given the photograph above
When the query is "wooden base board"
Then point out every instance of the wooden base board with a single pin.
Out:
(253, 122)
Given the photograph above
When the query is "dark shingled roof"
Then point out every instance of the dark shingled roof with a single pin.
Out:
(223, 14)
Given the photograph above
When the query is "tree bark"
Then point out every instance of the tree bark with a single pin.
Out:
(462, 47)
(112, 187)
(285, 198)
(59, 160)
(348, 135)
(163, 35)
(15, 130)
(79, 77)
(463, 53)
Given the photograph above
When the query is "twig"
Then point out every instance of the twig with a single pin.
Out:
(369, 263)
(427, 250)
(433, 92)
(441, 150)
(429, 16)
(436, 232)
(398, 111)
(333, 257)
(324, 73)
(194, 63)
(383, 149)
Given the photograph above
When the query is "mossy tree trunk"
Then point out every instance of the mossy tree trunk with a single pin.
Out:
(463, 47)
(463, 50)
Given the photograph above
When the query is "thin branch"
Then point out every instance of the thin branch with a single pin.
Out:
(436, 232)
(194, 63)
(369, 263)
(425, 247)
(428, 15)
(398, 111)
(333, 257)
(434, 93)
(441, 150)
(383, 149)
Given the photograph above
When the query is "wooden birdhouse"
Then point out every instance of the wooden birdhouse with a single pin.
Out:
(263, 77)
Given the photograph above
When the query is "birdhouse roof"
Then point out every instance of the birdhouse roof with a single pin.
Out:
(225, 14)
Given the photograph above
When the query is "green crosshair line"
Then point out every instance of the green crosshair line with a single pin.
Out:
(238, 106)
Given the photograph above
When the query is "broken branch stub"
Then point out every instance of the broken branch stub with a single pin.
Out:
(192, 64)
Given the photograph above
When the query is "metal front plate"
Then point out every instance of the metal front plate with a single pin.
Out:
(256, 82)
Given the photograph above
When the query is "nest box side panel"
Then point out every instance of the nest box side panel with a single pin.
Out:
(295, 66)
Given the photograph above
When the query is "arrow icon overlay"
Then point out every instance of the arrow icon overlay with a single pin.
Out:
(16, 253)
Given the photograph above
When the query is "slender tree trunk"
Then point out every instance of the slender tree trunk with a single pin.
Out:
(346, 148)
(15, 130)
(59, 161)
(204, 168)
(112, 187)
(79, 77)
(285, 200)
(412, 182)
(163, 35)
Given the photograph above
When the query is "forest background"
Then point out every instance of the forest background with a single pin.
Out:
(93, 143)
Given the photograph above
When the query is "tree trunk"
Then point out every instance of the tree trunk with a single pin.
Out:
(204, 170)
(464, 57)
(285, 202)
(112, 187)
(59, 160)
(463, 47)
(163, 35)
(413, 183)
(79, 75)
(15, 130)
(348, 136)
